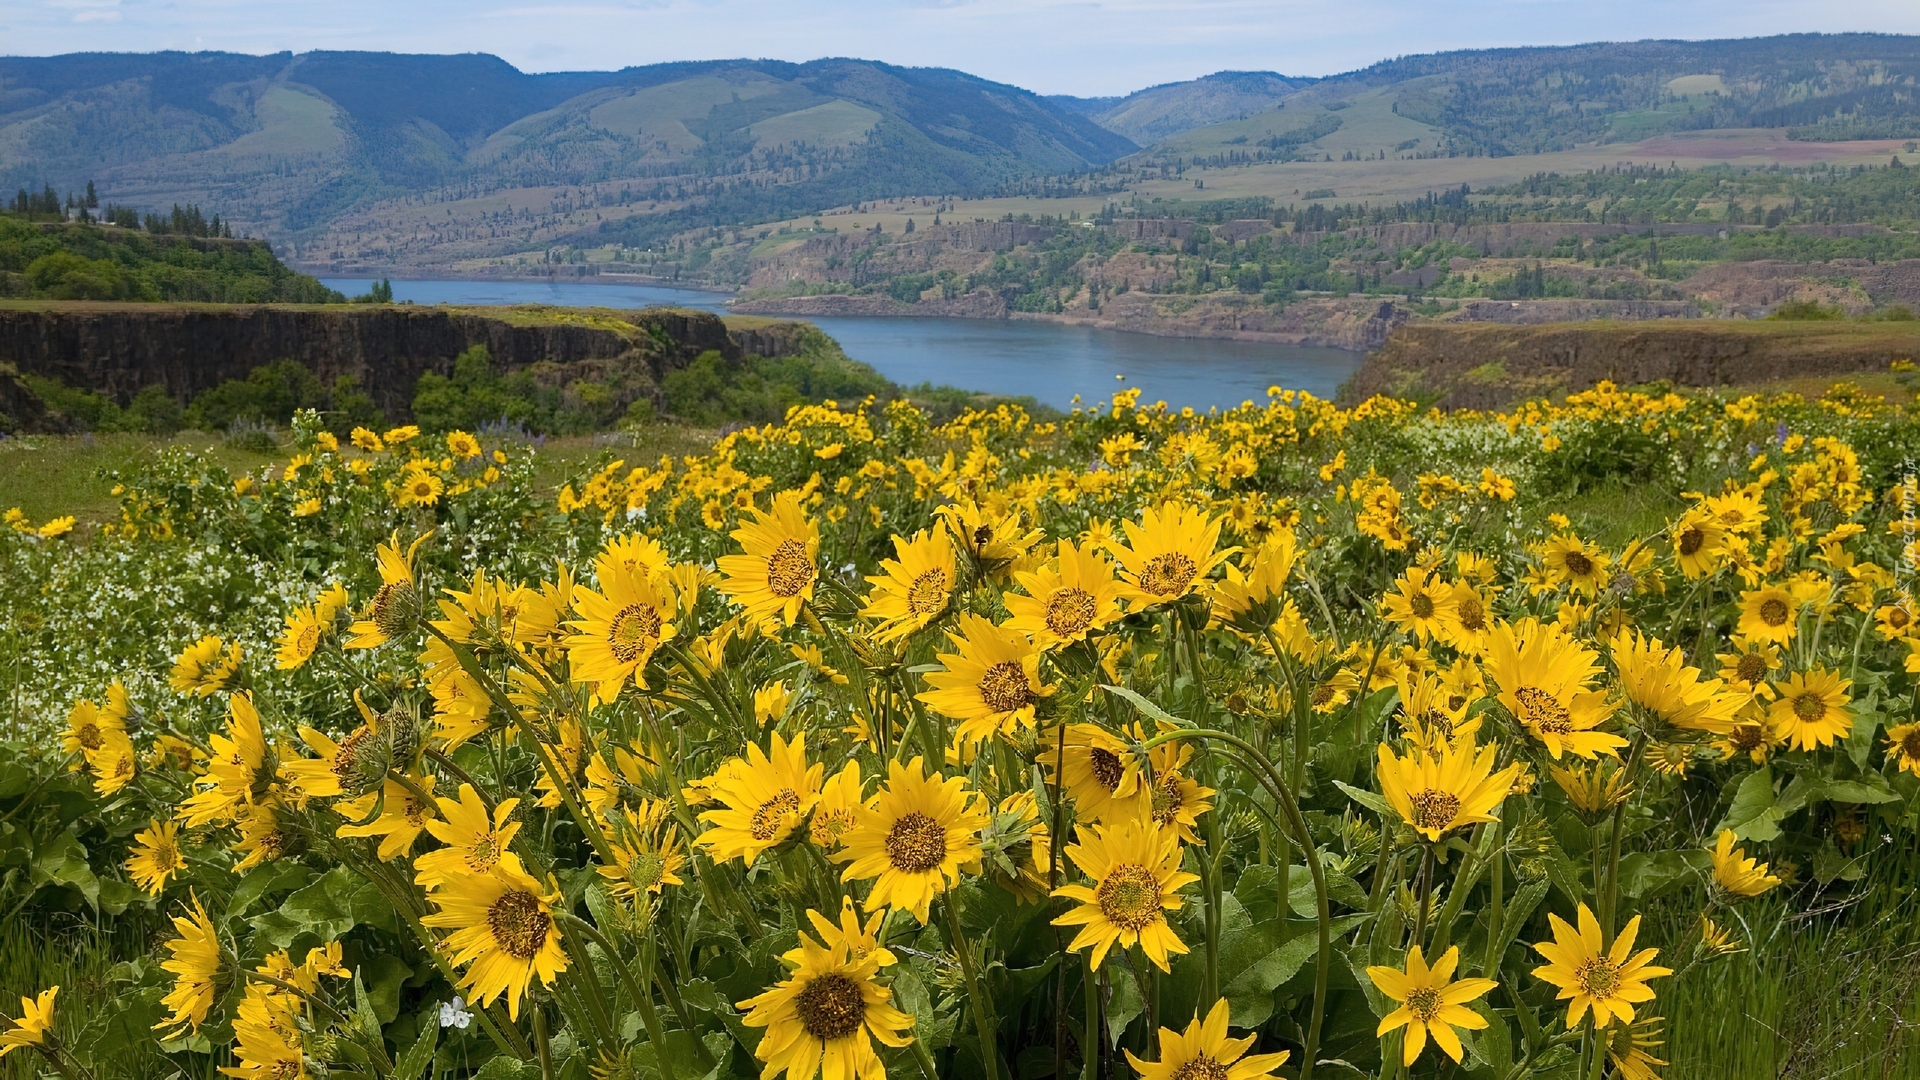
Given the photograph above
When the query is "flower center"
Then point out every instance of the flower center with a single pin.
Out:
(830, 825)
(1107, 769)
(1422, 606)
(1471, 613)
(309, 639)
(1129, 896)
(1543, 711)
(928, 593)
(1578, 564)
(1751, 669)
(1004, 687)
(631, 634)
(916, 843)
(1200, 1068)
(1167, 800)
(768, 815)
(1898, 618)
(1773, 611)
(1323, 694)
(347, 767)
(789, 570)
(483, 854)
(1069, 611)
(395, 607)
(165, 853)
(831, 1007)
(1433, 808)
(646, 870)
(981, 535)
(1692, 540)
(1598, 977)
(1424, 1004)
(519, 924)
(1746, 737)
(1168, 575)
(1809, 707)
(89, 736)
(1910, 744)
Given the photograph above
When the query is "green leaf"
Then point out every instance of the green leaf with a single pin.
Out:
(333, 904)
(1755, 815)
(418, 1057)
(1249, 991)
(1866, 724)
(64, 862)
(1493, 1045)
(1871, 788)
(507, 1068)
(385, 975)
(1644, 875)
(1152, 711)
(279, 876)
(1124, 1003)
(1368, 799)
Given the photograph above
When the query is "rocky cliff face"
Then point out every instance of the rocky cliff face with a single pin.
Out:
(1491, 365)
(119, 348)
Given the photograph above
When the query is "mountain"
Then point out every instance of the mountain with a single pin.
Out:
(285, 144)
(1147, 116)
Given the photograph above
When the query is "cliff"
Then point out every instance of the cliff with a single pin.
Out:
(1490, 365)
(118, 349)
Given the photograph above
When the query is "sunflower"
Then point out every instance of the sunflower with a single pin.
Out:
(1812, 710)
(419, 485)
(1466, 618)
(352, 767)
(1075, 596)
(996, 539)
(196, 965)
(1101, 775)
(913, 589)
(1736, 873)
(1248, 596)
(1903, 746)
(1595, 789)
(859, 939)
(1334, 691)
(1570, 561)
(1659, 680)
(205, 667)
(395, 609)
(763, 797)
(403, 816)
(261, 837)
(1431, 1001)
(1135, 867)
(917, 836)
(1747, 668)
(839, 807)
(301, 637)
(476, 843)
(990, 685)
(1769, 614)
(1204, 1052)
(619, 629)
(646, 862)
(113, 764)
(1175, 800)
(156, 856)
(239, 770)
(1418, 604)
(826, 1013)
(1437, 793)
(1543, 674)
(1590, 975)
(503, 926)
(462, 708)
(1428, 715)
(1628, 1046)
(33, 1024)
(1169, 552)
(87, 727)
(775, 576)
(267, 1050)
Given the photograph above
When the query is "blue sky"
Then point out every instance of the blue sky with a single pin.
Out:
(1086, 47)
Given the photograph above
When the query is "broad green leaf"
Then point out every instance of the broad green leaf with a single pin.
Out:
(1492, 1045)
(64, 862)
(333, 904)
(1871, 788)
(507, 1068)
(1152, 711)
(1368, 799)
(1249, 992)
(1644, 875)
(1755, 815)
(418, 1057)
(1124, 1003)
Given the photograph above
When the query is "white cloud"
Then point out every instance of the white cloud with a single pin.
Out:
(97, 16)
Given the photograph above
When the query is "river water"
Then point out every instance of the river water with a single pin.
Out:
(1047, 361)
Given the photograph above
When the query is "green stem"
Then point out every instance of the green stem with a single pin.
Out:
(540, 1040)
(1090, 1042)
(983, 1018)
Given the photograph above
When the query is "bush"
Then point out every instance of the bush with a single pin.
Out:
(269, 394)
(1806, 311)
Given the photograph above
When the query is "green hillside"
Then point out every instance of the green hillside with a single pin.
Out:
(74, 261)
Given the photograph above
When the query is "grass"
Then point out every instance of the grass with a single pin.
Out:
(78, 957)
(49, 476)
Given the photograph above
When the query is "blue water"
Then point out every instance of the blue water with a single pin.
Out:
(1047, 361)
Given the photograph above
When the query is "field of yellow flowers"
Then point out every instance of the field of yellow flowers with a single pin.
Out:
(1279, 741)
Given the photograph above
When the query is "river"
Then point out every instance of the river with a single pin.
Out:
(1047, 361)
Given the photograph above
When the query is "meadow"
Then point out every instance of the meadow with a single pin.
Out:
(1286, 740)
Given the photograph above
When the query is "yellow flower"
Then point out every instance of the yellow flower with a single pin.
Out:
(775, 576)
(1542, 674)
(156, 856)
(113, 764)
(1101, 775)
(1419, 604)
(1595, 789)
(33, 1024)
(913, 589)
(1903, 746)
(1813, 709)
(825, 1016)
(1135, 867)
(503, 927)
(916, 837)
(839, 808)
(1570, 561)
(1697, 540)
(1169, 552)
(261, 838)
(1736, 873)
(1658, 680)
(1204, 1052)
(462, 445)
(403, 816)
(647, 859)
(88, 727)
(1250, 591)
(205, 667)
(1769, 614)
(859, 939)
(995, 539)
(1175, 800)
(1431, 1002)
(1065, 602)
(352, 767)
(1627, 1048)
(1437, 793)
(238, 769)
(418, 486)
(301, 638)
(990, 685)
(762, 798)
(1747, 669)
(396, 606)
(475, 843)
(196, 965)
(1610, 981)
(59, 526)
(619, 630)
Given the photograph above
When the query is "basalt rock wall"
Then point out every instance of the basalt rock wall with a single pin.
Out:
(118, 349)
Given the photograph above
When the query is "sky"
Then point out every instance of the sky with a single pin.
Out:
(1083, 47)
